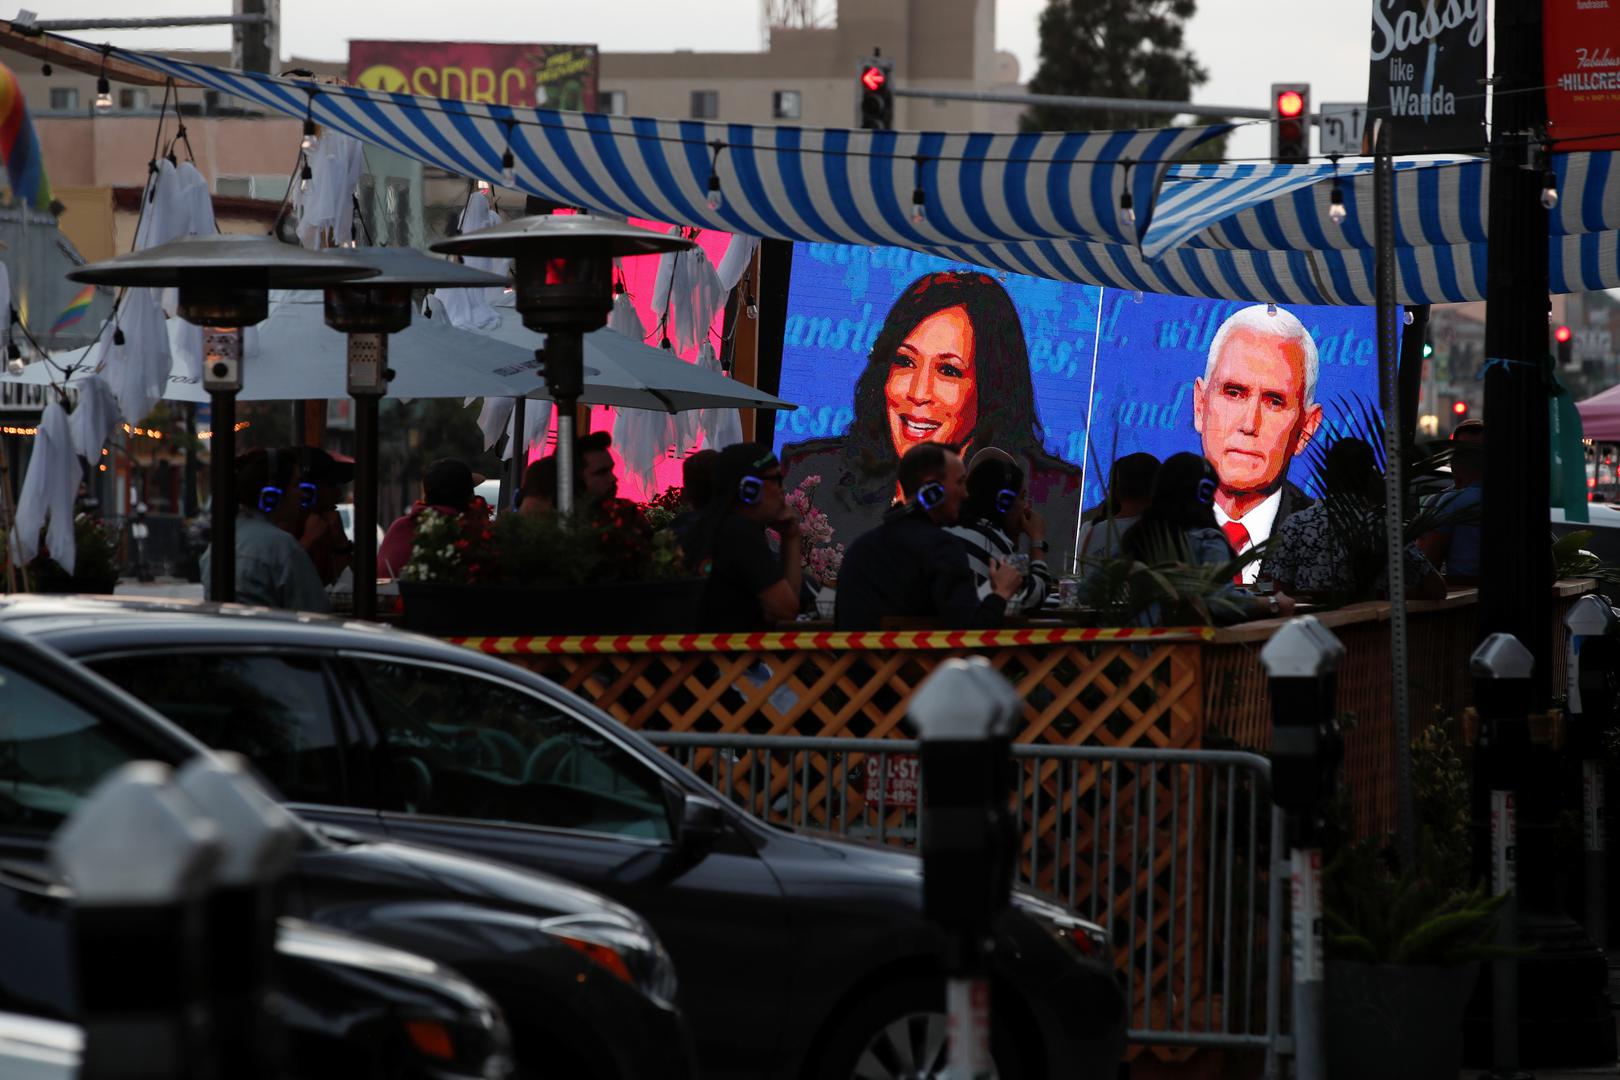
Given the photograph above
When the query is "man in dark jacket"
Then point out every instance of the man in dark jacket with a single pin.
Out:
(910, 566)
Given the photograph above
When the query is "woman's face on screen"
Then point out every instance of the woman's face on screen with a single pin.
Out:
(932, 388)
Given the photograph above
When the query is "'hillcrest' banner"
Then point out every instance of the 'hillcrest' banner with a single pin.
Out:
(1427, 72)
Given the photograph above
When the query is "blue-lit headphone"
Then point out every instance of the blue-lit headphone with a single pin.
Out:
(749, 489)
(931, 494)
(1206, 491)
(271, 494)
(1005, 498)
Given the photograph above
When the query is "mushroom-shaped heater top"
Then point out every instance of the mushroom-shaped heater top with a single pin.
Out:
(382, 304)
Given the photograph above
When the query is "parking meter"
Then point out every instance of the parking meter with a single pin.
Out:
(138, 532)
(965, 714)
(1302, 663)
(1502, 668)
(1593, 671)
(139, 857)
(259, 838)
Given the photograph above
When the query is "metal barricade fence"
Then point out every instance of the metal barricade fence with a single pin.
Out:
(1178, 854)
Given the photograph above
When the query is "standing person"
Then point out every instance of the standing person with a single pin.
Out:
(1179, 526)
(272, 569)
(949, 366)
(1255, 409)
(1455, 545)
(749, 587)
(447, 486)
(995, 516)
(910, 566)
(1130, 490)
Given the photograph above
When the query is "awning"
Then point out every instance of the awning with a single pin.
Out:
(1044, 203)
(1600, 415)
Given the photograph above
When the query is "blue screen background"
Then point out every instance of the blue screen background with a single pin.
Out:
(1119, 362)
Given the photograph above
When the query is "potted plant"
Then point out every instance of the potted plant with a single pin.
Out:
(1404, 945)
(95, 565)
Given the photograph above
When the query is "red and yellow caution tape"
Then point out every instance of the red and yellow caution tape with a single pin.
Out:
(823, 640)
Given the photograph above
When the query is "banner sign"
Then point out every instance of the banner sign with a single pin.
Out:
(887, 347)
(1581, 54)
(1427, 72)
(495, 73)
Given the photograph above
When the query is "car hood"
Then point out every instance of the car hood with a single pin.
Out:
(425, 872)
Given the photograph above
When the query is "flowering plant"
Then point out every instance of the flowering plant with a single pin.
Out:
(662, 509)
(820, 556)
(457, 549)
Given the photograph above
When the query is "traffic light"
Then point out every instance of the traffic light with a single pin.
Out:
(1459, 409)
(874, 93)
(1565, 337)
(1291, 123)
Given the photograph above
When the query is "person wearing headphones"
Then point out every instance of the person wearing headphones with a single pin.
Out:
(911, 566)
(749, 587)
(997, 513)
(272, 568)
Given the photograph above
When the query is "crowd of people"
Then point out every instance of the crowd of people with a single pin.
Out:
(961, 546)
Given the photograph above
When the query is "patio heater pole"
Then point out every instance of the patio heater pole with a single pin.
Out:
(368, 367)
(519, 449)
(565, 375)
(222, 377)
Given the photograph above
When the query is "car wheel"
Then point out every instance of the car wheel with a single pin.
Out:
(898, 1032)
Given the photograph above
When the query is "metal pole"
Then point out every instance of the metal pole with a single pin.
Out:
(53, 25)
(365, 504)
(1504, 973)
(1071, 101)
(565, 454)
(1305, 889)
(565, 376)
(1516, 570)
(520, 454)
(222, 486)
(1389, 387)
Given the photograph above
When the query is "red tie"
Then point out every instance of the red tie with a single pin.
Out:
(1238, 537)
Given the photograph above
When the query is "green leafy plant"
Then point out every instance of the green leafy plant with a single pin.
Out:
(1167, 589)
(1573, 560)
(662, 509)
(612, 542)
(456, 549)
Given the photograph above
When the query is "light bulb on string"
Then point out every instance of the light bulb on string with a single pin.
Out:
(919, 201)
(14, 360)
(103, 94)
(304, 177)
(508, 168)
(1336, 211)
(1271, 309)
(1408, 318)
(1136, 296)
(118, 335)
(311, 139)
(1549, 190)
(1127, 210)
(751, 306)
(716, 200)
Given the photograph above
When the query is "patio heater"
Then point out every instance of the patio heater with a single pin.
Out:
(224, 284)
(369, 310)
(564, 271)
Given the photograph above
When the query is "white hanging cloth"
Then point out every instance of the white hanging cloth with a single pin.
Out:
(625, 319)
(93, 418)
(48, 492)
(495, 419)
(327, 202)
(5, 298)
(185, 339)
(739, 253)
(642, 438)
(138, 369)
(473, 309)
(721, 427)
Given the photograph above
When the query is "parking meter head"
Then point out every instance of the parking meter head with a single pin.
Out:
(965, 700)
(1591, 616)
(1302, 661)
(1501, 657)
(258, 835)
(136, 841)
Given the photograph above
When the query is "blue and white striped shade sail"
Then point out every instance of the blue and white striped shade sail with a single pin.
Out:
(1042, 203)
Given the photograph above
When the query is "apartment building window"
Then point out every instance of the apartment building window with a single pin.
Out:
(64, 99)
(134, 99)
(615, 102)
(787, 105)
(705, 105)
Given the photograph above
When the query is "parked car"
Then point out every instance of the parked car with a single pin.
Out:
(800, 956)
(584, 982)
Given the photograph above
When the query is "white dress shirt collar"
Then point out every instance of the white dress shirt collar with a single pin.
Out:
(1259, 521)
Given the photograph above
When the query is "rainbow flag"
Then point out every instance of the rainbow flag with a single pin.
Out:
(76, 309)
(25, 164)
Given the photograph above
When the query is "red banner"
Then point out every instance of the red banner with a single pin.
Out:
(548, 76)
(1581, 50)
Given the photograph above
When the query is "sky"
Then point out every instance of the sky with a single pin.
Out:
(1245, 44)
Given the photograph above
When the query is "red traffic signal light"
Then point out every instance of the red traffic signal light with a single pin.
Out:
(1459, 408)
(873, 78)
(1563, 334)
(1290, 104)
(1291, 123)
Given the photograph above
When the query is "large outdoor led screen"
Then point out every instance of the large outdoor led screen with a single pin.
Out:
(885, 347)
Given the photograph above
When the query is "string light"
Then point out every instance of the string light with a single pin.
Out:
(305, 176)
(1127, 211)
(103, 94)
(1271, 309)
(118, 335)
(1549, 190)
(508, 162)
(1408, 318)
(751, 306)
(1336, 211)
(14, 360)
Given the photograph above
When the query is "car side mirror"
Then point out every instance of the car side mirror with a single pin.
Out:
(702, 822)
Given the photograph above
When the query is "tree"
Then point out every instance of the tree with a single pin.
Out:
(1113, 48)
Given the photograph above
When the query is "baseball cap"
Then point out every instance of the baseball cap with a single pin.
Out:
(321, 467)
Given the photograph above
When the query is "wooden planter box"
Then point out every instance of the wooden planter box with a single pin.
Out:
(640, 607)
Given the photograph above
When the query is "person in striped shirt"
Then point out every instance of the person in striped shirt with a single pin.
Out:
(996, 515)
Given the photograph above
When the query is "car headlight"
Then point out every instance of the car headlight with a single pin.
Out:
(1087, 938)
(627, 949)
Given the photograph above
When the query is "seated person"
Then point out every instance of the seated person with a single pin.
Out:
(910, 566)
(749, 586)
(1130, 489)
(539, 494)
(1454, 546)
(697, 487)
(272, 569)
(1336, 547)
(447, 486)
(1179, 526)
(996, 515)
